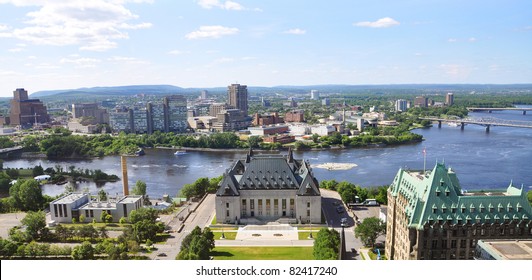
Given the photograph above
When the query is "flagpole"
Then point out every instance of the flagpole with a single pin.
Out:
(424, 160)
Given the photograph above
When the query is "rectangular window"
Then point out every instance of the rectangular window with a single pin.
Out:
(227, 205)
(453, 244)
(55, 209)
(65, 210)
(308, 213)
(60, 210)
(463, 243)
(252, 204)
(434, 244)
(284, 204)
(91, 213)
(124, 208)
(308, 204)
(87, 213)
(444, 244)
(227, 213)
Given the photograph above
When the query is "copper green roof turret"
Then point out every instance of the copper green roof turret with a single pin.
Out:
(436, 196)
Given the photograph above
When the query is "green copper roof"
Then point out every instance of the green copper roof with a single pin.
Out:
(436, 195)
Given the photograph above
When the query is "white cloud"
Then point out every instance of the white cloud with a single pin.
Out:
(175, 52)
(127, 59)
(3, 27)
(93, 25)
(226, 5)
(380, 23)
(457, 71)
(295, 31)
(452, 40)
(212, 31)
(472, 39)
(224, 60)
(14, 50)
(82, 62)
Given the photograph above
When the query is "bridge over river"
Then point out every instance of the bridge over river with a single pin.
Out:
(486, 122)
(478, 109)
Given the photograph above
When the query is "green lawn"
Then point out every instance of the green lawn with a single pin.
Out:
(228, 235)
(262, 253)
(303, 235)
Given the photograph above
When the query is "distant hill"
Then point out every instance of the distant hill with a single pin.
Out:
(118, 90)
(169, 89)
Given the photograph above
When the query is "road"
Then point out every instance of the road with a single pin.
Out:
(201, 215)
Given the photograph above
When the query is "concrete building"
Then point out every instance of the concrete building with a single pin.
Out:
(299, 129)
(78, 127)
(217, 108)
(267, 119)
(204, 94)
(449, 99)
(175, 113)
(322, 130)
(431, 218)
(27, 112)
(268, 129)
(314, 94)
(401, 105)
(121, 120)
(295, 116)
(326, 102)
(73, 205)
(504, 250)
(156, 117)
(90, 110)
(231, 120)
(262, 188)
(421, 101)
(237, 96)
(139, 120)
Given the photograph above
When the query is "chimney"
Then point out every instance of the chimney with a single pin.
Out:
(124, 175)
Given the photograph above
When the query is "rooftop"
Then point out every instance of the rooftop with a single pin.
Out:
(508, 249)
(70, 198)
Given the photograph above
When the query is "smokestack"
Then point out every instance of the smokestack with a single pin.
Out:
(124, 175)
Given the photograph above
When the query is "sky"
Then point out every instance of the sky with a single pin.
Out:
(52, 44)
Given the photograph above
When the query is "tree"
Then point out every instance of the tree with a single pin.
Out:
(37, 170)
(102, 195)
(27, 195)
(35, 223)
(85, 251)
(106, 217)
(138, 215)
(326, 245)
(347, 191)
(530, 197)
(140, 188)
(254, 141)
(369, 230)
(144, 230)
(197, 245)
(8, 248)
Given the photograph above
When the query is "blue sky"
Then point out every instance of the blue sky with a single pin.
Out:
(208, 43)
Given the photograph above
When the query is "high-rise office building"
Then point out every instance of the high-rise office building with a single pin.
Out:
(139, 120)
(238, 97)
(121, 120)
(90, 110)
(401, 105)
(449, 99)
(421, 101)
(156, 118)
(314, 94)
(26, 112)
(204, 94)
(176, 113)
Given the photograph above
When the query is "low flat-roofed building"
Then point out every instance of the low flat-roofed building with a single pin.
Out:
(504, 250)
(268, 130)
(73, 205)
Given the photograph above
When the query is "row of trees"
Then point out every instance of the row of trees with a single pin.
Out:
(200, 187)
(349, 191)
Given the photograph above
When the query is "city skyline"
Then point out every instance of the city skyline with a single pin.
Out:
(212, 43)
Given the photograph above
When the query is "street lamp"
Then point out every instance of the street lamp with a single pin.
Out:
(223, 221)
(310, 220)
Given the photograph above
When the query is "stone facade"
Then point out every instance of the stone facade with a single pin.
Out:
(430, 218)
(266, 188)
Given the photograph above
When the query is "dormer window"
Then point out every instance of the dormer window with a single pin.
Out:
(510, 207)
(472, 208)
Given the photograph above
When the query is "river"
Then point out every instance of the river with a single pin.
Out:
(481, 160)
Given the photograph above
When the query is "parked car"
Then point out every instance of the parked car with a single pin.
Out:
(370, 202)
(343, 222)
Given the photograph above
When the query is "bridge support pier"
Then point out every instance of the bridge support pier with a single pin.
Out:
(439, 124)
(462, 125)
(487, 128)
(524, 112)
(489, 111)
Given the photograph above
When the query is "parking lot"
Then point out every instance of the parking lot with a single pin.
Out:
(9, 220)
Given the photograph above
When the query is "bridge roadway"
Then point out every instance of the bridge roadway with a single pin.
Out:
(477, 109)
(487, 122)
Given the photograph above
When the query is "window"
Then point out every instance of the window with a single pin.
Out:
(434, 244)
(91, 212)
(453, 244)
(444, 244)
(55, 209)
(87, 213)
(60, 210)
(124, 207)
(252, 204)
(462, 243)
(227, 205)
(227, 213)
(308, 213)
(308, 204)
(65, 210)
(283, 204)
